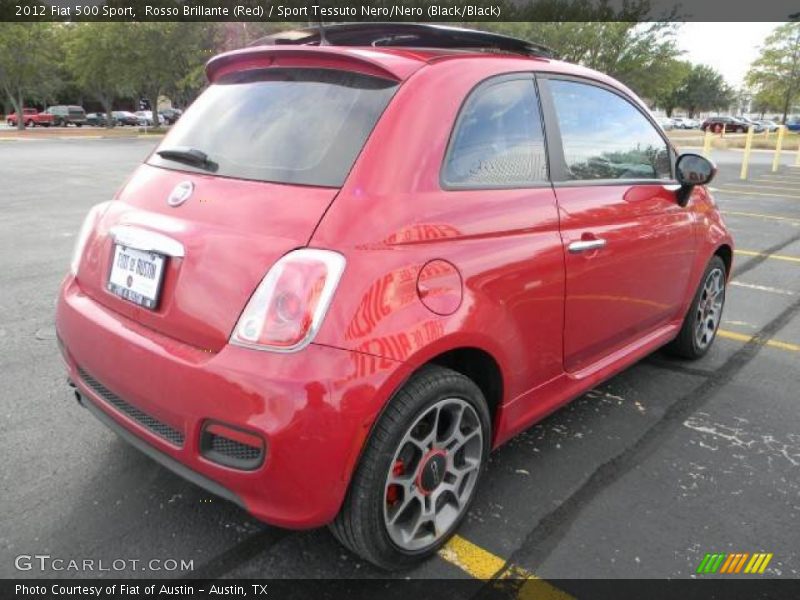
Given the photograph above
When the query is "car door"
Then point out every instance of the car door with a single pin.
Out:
(495, 175)
(628, 245)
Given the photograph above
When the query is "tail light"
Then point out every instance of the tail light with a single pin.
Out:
(290, 303)
(83, 235)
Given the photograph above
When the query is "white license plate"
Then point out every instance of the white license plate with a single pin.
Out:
(136, 275)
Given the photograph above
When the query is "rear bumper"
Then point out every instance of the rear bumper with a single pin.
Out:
(313, 409)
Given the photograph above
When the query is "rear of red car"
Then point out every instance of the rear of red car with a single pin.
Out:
(187, 317)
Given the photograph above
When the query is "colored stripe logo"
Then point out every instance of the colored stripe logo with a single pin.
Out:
(735, 562)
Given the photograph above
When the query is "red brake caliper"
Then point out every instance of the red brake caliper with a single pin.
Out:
(393, 491)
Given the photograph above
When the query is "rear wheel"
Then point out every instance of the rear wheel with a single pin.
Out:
(705, 314)
(419, 471)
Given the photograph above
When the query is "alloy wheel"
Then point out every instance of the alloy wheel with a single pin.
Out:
(433, 474)
(709, 308)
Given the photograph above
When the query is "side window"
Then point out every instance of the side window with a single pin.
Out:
(498, 139)
(606, 137)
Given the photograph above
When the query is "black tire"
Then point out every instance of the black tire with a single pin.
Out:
(686, 344)
(78, 124)
(360, 524)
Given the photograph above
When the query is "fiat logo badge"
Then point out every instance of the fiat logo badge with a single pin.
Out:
(180, 193)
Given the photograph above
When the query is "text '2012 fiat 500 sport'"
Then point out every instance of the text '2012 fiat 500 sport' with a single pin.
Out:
(352, 270)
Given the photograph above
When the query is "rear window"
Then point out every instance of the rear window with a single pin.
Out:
(295, 126)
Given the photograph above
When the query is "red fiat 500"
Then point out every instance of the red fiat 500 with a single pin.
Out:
(350, 271)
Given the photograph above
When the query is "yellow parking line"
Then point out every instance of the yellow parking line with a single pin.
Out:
(477, 562)
(760, 216)
(482, 564)
(773, 256)
(743, 337)
(748, 193)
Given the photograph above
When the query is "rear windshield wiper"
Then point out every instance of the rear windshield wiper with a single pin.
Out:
(188, 155)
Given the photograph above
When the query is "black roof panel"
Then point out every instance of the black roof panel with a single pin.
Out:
(408, 35)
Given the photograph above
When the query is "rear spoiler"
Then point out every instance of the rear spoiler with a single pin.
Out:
(385, 65)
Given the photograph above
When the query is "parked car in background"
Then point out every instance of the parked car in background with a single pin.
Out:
(123, 117)
(685, 123)
(729, 124)
(793, 124)
(97, 119)
(171, 115)
(768, 125)
(31, 117)
(64, 115)
(145, 118)
(403, 283)
(748, 122)
(666, 123)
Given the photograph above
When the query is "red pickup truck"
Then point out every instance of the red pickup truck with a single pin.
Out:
(31, 117)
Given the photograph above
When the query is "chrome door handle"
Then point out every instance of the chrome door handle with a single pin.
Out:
(584, 245)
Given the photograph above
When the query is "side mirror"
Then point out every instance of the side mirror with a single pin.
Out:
(692, 170)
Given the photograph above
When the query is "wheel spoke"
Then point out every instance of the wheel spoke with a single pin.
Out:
(419, 517)
(709, 308)
(408, 498)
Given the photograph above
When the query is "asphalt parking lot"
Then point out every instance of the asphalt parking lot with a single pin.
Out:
(636, 479)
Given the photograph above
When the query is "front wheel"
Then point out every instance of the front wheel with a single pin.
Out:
(705, 314)
(419, 471)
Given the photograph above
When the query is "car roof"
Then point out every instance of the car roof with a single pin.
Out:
(394, 51)
(407, 35)
(388, 62)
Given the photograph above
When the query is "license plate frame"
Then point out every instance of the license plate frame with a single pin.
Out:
(137, 276)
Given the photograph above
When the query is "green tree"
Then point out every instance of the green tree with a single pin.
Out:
(676, 72)
(766, 100)
(776, 72)
(704, 89)
(204, 41)
(26, 63)
(99, 57)
(641, 55)
(170, 58)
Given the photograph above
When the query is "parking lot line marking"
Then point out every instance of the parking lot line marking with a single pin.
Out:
(736, 213)
(482, 564)
(762, 288)
(791, 183)
(773, 256)
(779, 179)
(474, 560)
(743, 337)
(749, 193)
(765, 187)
